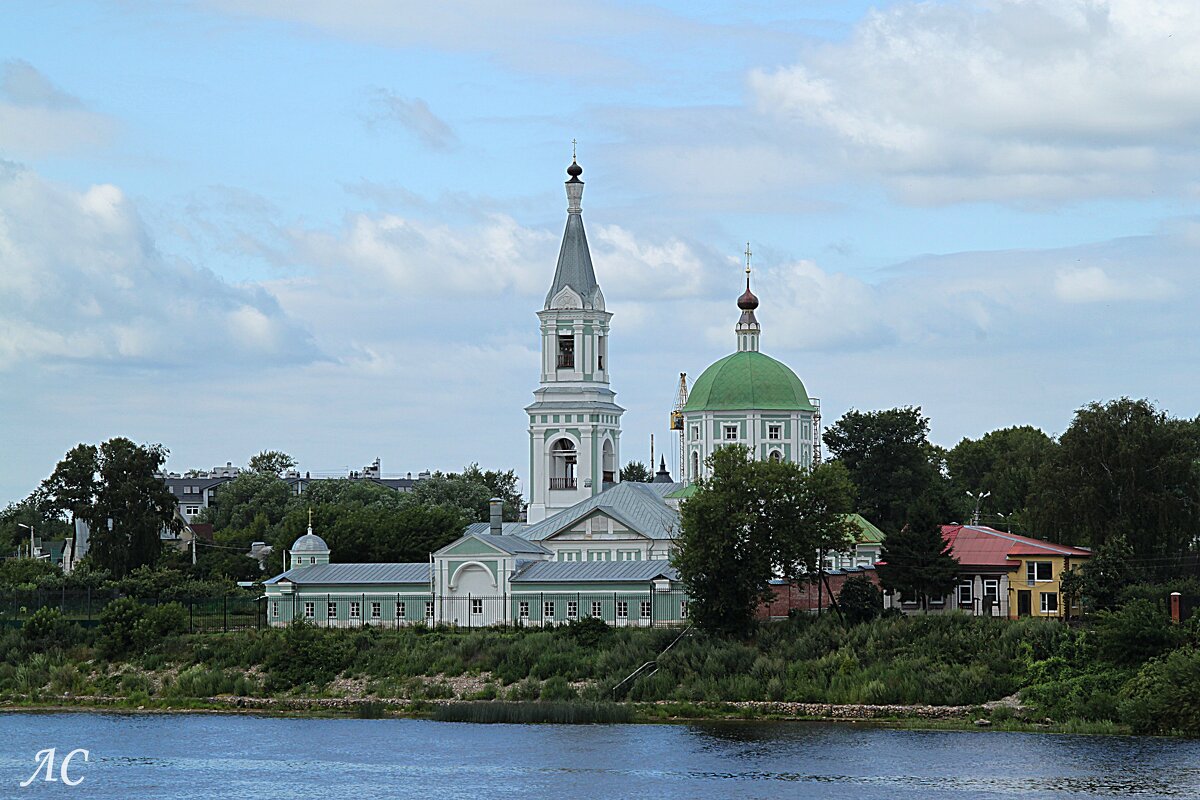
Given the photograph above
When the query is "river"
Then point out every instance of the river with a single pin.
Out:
(199, 756)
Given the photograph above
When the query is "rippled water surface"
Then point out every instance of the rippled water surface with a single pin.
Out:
(201, 756)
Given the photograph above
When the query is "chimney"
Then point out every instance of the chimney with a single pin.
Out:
(496, 507)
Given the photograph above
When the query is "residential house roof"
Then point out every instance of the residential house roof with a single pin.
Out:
(981, 546)
(506, 542)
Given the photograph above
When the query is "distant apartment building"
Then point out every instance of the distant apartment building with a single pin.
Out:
(196, 490)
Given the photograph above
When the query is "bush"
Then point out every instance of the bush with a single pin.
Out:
(557, 688)
(306, 655)
(1136, 633)
(1164, 697)
(47, 629)
(860, 600)
(588, 632)
(127, 626)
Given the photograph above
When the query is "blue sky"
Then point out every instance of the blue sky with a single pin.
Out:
(325, 228)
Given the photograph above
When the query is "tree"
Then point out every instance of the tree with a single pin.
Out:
(1123, 467)
(471, 491)
(271, 462)
(860, 599)
(749, 522)
(46, 526)
(916, 562)
(240, 500)
(1004, 462)
(637, 472)
(114, 488)
(1099, 580)
(890, 460)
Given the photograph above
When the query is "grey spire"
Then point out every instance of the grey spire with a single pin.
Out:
(574, 259)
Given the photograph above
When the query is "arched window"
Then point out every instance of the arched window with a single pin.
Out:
(695, 466)
(562, 464)
(776, 456)
(610, 463)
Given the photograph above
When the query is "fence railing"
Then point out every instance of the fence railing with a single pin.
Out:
(204, 614)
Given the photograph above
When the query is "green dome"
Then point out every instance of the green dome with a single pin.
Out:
(748, 381)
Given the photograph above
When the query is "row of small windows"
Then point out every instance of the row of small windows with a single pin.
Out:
(548, 609)
(733, 433)
(599, 555)
(331, 609)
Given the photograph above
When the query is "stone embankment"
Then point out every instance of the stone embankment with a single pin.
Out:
(836, 711)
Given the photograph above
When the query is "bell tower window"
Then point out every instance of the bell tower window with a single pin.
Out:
(562, 465)
(566, 351)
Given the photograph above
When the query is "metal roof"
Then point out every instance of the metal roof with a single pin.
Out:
(981, 546)
(748, 380)
(595, 571)
(507, 543)
(639, 506)
(309, 543)
(575, 266)
(332, 574)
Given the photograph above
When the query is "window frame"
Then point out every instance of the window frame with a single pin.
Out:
(1033, 569)
(548, 609)
(644, 609)
(597, 610)
(965, 597)
(331, 609)
(429, 609)
(310, 609)
(774, 432)
(727, 428)
(1046, 597)
(572, 609)
(522, 609)
(622, 609)
(401, 608)
(355, 609)
(476, 606)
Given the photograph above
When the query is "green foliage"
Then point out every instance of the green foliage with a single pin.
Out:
(47, 525)
(271, 462)
(860, 600)
(128, 627)
(917, 562)
(305, 655)
(636, 471)
(115, 482)
(560, 713)
(1123, 467)
(1004, 462)
(245, 497)
(588, 632)
(470, 491)
(557, 688)
(750, 521)
(47, 629)
(28, 573)
(1164, 697)
(1136, 633)
(1100, 581)
(890, 460)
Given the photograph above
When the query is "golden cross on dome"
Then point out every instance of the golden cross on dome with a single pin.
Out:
(310, 518)
(747, 258)
(572, 149)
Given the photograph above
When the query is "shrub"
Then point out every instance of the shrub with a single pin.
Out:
(1164, 697)
(557, 688)
(1139, 631)
(588, 632)
(306, 655)
(860, 600)
(47, 629)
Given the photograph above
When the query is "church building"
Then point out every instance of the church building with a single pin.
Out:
(592, 545)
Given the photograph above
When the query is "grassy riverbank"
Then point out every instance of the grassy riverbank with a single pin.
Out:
(1067, 678)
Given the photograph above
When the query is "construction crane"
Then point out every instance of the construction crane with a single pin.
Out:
(816, 431)
(681, 398)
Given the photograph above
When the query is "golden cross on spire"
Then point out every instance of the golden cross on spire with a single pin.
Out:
(748, 258)
(310, 518)
(572, 149)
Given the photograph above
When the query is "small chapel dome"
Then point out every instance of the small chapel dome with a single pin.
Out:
(310, 543)
(748, 301)
(574, 170)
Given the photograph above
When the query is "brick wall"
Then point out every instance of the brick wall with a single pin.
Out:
(803, 596)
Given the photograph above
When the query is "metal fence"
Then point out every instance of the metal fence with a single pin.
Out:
(519, 609)
(204, 614)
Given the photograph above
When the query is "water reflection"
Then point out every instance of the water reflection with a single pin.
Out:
(202, 757)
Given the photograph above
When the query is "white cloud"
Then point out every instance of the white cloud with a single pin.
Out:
(38, 119)
(83, 282)
(413, 115)
(1094, 285)
(1005, 99)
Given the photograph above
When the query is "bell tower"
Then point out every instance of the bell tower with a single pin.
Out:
(574, 421)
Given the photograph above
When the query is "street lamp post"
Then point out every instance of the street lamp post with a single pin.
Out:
(978, 499)
(30, 528)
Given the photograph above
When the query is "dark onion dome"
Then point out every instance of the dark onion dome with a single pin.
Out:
(574, 170)
(747, 302)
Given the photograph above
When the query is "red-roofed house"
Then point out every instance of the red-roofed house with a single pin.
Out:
(1003, 574)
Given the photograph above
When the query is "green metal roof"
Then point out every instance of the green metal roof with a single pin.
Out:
(748, 381)
(867, 533)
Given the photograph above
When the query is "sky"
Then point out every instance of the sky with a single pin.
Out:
(325, 228)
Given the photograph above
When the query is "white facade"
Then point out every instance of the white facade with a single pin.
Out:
(574, 421)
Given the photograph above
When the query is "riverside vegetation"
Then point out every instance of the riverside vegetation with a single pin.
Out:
(1126, 670)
